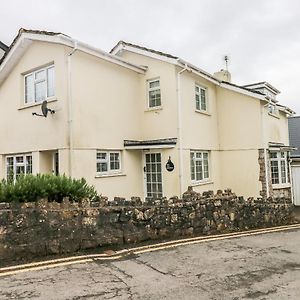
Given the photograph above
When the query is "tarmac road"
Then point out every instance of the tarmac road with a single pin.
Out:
(265, 266)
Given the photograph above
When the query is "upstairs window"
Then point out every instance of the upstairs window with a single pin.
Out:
(279, 167)
(39, 85)
(273, 110)
(108, 162)
(154, 96)
(201, 98)
(17, 166)
(199, 166)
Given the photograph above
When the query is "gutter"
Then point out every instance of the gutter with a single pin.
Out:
(179, 126)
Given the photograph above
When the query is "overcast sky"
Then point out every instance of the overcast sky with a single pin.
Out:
(261, 37)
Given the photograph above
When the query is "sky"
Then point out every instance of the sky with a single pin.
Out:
(261, 37)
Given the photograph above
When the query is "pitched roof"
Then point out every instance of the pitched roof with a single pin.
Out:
(25, 37)
(143, 48)
(3, 46)
(181, 62)
(23, 30)
(262, 84)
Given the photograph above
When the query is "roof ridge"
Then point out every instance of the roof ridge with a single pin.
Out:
(144, 48)
(24, 30)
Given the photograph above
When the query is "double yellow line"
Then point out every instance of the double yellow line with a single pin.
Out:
(54, 263)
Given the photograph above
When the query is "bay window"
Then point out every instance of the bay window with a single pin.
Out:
(279, 167)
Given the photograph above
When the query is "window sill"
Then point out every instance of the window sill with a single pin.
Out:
(109, 175)
(49, 100)
(199, 183)
(203, 112)
(157, 108)
(281, 186)
(273, 115)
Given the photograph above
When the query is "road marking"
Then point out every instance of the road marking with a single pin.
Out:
(43, 265)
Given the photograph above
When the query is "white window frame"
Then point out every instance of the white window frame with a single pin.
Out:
(107, 161)
(200, 87)
(35, 81)
(201, 152)
(149, 89)
(16, 164)
(273, 110)
(280, 159)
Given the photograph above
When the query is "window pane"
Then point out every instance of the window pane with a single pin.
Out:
(114, 161)
(275, 172)
(197, 101)
(10, 168)
(199, 171)
(154, 84)
(154, 98)
(283, 172)
(19, 159)
(40, 91)
(192, 166)
(50, 82)
(29, 91)
(40, 75)
(101, 155)
(29, 164)
(273, 155)
(101, 167)
(20, 170)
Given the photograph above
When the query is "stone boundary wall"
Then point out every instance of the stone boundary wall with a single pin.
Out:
(37, 229)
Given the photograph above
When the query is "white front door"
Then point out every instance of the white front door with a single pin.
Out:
(153, 175)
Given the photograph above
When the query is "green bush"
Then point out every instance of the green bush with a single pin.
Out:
(31, 188)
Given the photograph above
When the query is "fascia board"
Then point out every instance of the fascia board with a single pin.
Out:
(241, 91)
(26, 38)
(145, 53)
(102, 54)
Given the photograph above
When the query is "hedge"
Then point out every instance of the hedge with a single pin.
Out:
(31, 188)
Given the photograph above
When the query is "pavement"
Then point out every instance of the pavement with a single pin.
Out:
(265, 266)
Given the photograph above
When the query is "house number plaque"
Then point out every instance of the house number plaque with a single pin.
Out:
(169, 165)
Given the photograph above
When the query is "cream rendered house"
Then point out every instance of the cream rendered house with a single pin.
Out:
(137, 122)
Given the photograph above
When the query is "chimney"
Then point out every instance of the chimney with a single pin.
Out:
(223, 75)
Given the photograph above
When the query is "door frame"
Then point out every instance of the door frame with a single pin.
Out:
(144, 172)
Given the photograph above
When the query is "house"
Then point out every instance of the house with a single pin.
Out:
(294, 132)
(137, 122)
(3, 49)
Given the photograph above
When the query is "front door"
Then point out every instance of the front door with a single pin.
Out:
(153, 175)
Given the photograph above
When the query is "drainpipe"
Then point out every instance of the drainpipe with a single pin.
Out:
(70, 108)
(179, 128)
(265, 152)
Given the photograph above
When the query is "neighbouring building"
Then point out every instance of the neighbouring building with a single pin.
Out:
(3, 49)
(137, 122)
(294, 131)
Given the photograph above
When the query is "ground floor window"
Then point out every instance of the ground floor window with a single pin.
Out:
(108, 162)
(17, 165)
(279, 167)
(199, 165)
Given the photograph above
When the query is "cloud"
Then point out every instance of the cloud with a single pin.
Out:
(261, 37)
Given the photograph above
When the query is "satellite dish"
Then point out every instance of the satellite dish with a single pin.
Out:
(45, 110)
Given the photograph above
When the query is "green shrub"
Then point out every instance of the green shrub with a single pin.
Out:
(31, 188)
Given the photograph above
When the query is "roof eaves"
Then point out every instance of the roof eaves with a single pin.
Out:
(23, 30)
(3, 46)
(143, 48)
(66, 40)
